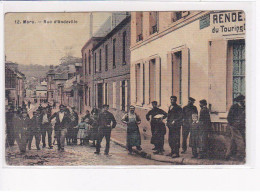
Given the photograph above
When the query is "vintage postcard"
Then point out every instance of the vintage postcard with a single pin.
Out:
(125, 88)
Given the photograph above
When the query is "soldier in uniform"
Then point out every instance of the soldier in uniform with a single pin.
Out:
(188, 111)
(158, 128)
(174, 122)
(204, 128)
(22, 125)
(237, 125)
(35, 130)
(61, 126)
(106, 118)
(46, 127)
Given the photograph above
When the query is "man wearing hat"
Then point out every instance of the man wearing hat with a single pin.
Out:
(61, 126)
(174, 122)
(158, 129)
(46, 127)
(188, 111)
(204, 128)
(237, 125)
(35, 130)
(21, 128)
(105, 120)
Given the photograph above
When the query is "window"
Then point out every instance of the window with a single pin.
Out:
(85, 64)
(89, 62)
(139, 26)
(89, 96)
(152, 80)
(95, 62)
(106, 58)
(123, 95)
(100, 61)
(238, 68)
(153, 21)
(114, 53)
(86, 96)
(124, 48)
(139, 83)
(106, 94)
(177, 75)
(114, 95)
(179, 14)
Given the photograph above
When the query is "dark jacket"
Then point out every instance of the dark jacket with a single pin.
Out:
(35, 125)
(74, 119)
(154, 112)
(204, 119)
(174, 114)
(65, 121)
(236, 116)
(187, 113)
(105, 119)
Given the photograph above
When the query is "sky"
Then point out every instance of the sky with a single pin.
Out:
(44, 44)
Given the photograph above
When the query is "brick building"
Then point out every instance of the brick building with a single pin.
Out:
(187, 53)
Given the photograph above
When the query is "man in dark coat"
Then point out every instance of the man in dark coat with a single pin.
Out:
(174, 122)
(46, 127)
(61, 126)
(106, 118)
(188, 110)
(73, 130)
(35, 130)
(237, 125)
(204, 128)
(21, 127)
(158, 128)
(10, 126)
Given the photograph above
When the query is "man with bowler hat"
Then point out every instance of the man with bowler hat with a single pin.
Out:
(188, 111)
(106, 123)
(237, 125)
(174, 122)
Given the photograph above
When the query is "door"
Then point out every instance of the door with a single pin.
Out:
(100, 95)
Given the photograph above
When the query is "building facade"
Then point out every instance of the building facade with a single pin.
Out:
(187, 53)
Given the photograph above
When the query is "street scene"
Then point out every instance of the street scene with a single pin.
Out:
(125, 88)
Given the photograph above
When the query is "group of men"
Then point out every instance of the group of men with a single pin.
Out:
(178, 118)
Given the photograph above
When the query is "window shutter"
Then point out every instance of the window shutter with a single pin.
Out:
(104, 93)
(218, 75)
(185, 75)
(142, 72)
(114, 94)
(133, 83)
(158, 80)
(147, 82)
(120, 95)
(126, 95)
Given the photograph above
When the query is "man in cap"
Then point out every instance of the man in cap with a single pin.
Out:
(21, 128)
(158, 129)
(188, 111)
(61, 126)
(35, 130)
(106, 118)
(174, 122)
(204, 128)
(46, 127)
(237, 125)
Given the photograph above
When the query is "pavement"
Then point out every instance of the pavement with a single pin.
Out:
(118, 136)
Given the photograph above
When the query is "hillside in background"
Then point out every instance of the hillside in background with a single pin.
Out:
(38, 71)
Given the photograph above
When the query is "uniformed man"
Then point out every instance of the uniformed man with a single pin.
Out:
(158, 128)
(174, 122)
(22, 125)
(35, 130)
(61, 126)
(188, 111)
(106, 123)
(46, 127)
(237, 125)
(204, 128)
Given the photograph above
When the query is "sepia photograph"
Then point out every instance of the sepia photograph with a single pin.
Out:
(138, 88)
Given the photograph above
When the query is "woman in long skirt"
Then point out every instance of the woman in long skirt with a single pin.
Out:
(83, 132)
(133, 135)
(94, 126)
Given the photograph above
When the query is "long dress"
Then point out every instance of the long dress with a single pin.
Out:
(94, 127)
(133, 134)
(83, 130)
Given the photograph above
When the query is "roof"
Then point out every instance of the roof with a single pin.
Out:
(115, 30)
(92, 39)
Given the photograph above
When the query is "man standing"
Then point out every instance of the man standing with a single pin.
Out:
(188, 111)
(35, 130)
(204, 128)
(74, 122)
(158, 128)
(174, 122)
(22, 125)
(61, 126)
(237, 124)
(46, 127)
(105, 120)
(10, 126)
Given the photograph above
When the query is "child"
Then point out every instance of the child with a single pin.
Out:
(83, 130)
(194, 135)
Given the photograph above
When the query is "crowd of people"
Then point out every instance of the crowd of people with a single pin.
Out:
(96, 125)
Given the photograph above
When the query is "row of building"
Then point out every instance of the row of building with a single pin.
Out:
(147, 56)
